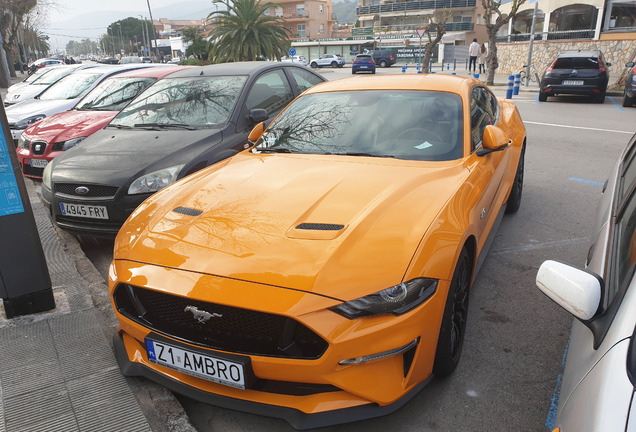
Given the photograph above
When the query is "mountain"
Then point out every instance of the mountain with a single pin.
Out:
(345, 11)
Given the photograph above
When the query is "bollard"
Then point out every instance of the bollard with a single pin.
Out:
(509, 91)
(515, 89)
(453, 73)
(404, 69)
(476, 76)
(448, 65)
(454, 64)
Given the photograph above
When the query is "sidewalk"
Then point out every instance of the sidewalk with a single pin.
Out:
(57, 369)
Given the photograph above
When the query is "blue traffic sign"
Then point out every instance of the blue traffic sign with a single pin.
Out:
(292, 51)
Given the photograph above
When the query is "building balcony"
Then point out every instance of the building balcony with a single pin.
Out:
(407, 29)
(296, 17)
(414, 5)
(553, 35)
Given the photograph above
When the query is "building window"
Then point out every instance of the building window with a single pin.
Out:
(278, 11)
(288, 8)
(322, 28)
(623, 15)
(301, 30)
(300, 10)
(321, 9)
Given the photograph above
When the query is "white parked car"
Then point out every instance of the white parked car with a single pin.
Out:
(333, 60)
(61, 96)
(302, 60)
(599, 381)
(44, 78)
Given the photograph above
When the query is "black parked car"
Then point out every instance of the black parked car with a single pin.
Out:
(630, 86)
(179, 125)
(384, 58)
(578, 73)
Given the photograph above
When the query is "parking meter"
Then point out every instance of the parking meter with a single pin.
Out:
(25, 284)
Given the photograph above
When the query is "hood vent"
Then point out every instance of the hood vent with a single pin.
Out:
(320, 227)
(188, 211)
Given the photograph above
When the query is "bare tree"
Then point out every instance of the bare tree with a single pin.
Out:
(437, 24)
(495, 19)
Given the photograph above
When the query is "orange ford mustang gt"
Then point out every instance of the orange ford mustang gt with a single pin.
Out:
(322, 275)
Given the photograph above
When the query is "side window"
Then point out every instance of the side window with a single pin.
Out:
(624, 253)
(304, 79)
(481, 114)
(270, 91)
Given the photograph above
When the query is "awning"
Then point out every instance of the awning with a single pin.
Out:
(366, 18)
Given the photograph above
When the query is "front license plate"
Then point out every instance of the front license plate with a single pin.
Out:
(573, 82)
(84, 210)
(209, 367)
(39, 163)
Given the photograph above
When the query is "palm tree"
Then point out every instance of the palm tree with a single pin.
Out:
(245, 33)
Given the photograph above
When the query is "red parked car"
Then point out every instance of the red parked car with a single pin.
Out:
(40, 143)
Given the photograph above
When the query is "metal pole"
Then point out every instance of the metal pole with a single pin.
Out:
(534, 23)
(152, 24)
(121, 41)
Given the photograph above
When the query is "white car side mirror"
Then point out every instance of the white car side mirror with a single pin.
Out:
(576, 291)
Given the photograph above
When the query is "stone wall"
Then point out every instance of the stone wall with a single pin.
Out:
(512, 56)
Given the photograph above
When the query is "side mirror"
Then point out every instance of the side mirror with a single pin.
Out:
(493, 140)
(630, 64)
(576, 291)
(258, 115)
(256, 133)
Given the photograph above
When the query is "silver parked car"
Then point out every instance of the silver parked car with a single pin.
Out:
(333, 60)
(598, 388)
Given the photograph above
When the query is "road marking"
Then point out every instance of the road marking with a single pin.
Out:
(595, 183)
(614, 102)
(545, 245)
(579, 127)
(549, 423)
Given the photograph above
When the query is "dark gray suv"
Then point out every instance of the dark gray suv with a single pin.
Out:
(576, 72)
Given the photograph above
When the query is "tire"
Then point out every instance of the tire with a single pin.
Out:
(628, 101)
(514, 200)
(353, 72)
(314, 65)
(334, 64)
(542, 97)
(383, 63)
(453, 330)
(600, 98)
(373, 71)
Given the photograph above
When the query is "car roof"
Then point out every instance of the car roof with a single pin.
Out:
(433, 82)
(580, 53)
(158, 71)
(237, 68)
(110, 69)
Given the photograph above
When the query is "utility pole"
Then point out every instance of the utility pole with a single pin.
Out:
(121, 39)
(152, 24)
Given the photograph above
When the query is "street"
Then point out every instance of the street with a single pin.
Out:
(516, 337)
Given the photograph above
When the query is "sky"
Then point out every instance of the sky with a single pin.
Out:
(80, 19)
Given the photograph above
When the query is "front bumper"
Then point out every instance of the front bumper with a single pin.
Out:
(333, 391)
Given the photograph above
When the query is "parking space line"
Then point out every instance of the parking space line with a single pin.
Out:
(595, 183)
(615, 104)
(579, 127)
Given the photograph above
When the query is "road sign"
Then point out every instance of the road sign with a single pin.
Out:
(421, 32)
(292, 51)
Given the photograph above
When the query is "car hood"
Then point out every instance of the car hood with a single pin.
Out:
(113, 157)
(33, 107)
(337, 226)
(24, 93)
(69, 124)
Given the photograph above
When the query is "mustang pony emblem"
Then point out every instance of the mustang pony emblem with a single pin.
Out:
(200, 315)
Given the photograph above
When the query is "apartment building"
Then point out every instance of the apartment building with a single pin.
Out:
(306, 19)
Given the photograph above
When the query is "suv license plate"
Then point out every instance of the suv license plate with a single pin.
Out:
(84, 210)
(573, 82)
(39, 163)
(204, 366)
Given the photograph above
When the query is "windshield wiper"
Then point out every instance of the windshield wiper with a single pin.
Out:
(272, 150)
(164, 126)
(118, 126)
(362, 154)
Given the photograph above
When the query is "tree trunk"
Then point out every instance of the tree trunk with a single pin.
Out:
(491, 59)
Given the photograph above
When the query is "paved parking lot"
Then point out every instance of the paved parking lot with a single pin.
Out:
(516, 337)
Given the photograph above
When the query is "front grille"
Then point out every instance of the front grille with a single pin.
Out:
(238, 330)
(94, 191)
(38, 147)
(320, 227)
(31, 171)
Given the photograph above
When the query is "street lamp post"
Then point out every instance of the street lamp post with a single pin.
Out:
(121, 39)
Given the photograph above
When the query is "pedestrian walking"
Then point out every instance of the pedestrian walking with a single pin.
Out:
(482, 59)
(473, 53)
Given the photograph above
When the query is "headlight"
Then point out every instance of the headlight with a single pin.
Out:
(71, 143)
(23, 124)
(23, 142)
(154, 181)
(396, 300)
(46, 176)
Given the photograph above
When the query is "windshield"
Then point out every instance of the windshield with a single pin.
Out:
(114, 94)
(198, 102)
(70, 87)
(55, 74)
(416, 125)
(38, 74)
